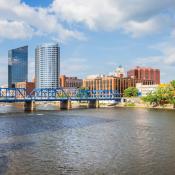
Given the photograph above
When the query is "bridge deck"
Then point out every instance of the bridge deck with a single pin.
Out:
(11, 100)
(10, 95)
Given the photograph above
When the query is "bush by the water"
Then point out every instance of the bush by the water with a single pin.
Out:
(163, 95)
(131, 92)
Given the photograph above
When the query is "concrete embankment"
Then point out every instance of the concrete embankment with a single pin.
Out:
(139, 103)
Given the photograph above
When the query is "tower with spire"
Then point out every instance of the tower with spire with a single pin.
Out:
(120, 72)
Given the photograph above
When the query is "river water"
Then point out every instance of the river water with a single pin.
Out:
(106, 141)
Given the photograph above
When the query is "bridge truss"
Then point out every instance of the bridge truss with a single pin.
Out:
(57, 94)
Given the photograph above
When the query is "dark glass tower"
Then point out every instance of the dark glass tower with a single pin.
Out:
(17, 65)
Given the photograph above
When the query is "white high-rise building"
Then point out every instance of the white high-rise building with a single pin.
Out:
(47, 66)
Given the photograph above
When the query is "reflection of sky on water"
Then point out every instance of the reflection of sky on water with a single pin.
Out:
(38, 122)
(6, 108)
(99, 141)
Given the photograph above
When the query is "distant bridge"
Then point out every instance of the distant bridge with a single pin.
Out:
(13, 95)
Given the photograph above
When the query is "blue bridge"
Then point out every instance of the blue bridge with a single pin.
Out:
(64, 96)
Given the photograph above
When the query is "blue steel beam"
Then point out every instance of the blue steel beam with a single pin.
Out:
(47, 94)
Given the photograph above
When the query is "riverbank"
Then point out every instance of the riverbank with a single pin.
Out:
(129, 103)
(139, 103)
(146, 107)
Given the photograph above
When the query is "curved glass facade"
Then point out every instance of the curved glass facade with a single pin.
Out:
(17, 65)
(47, 66)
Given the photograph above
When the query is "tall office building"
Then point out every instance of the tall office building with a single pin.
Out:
(17, 65)
(47, 66)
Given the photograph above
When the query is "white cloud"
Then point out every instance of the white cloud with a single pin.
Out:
(30, 21)
(15, 30)
(151, 26)
(136, 17)
(94, 13)
(169, 55)
(141, 28)
(167, 51)
(166, 56)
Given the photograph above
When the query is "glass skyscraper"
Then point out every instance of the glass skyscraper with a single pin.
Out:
(17, 65)
(47, 66)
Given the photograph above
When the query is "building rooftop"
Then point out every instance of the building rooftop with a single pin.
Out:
(48, 45)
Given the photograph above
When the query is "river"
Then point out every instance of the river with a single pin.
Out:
(106, 141)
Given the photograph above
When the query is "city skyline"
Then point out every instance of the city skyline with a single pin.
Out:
(134, 36)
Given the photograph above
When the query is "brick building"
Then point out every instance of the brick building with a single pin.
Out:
(70, 82)
(113, 83)
(29, 86)
(145, 73)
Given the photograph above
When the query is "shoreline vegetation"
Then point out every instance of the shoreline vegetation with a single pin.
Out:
(162, 98)
(144, 105)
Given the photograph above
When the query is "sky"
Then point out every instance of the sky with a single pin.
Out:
(95, 36)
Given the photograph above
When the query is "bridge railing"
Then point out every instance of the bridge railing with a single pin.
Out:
(12, 93)
(96, 94)
(56, 93)
(48, 93)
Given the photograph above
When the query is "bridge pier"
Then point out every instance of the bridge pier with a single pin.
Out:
(65, 105)
(29, 106)
(93, 104)
(123, 100)
(97, 104)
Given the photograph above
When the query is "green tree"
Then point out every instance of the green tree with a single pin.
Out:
(162, 96)
(171, 98)
(172, 83)
(151, 98)
(131, 92)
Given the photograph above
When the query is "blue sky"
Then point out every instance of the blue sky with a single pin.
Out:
(95, 36)
(38, 3)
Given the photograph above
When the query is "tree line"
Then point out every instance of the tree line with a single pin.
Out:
(163, 95)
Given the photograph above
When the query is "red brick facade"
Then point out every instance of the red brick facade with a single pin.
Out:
(70, 82)
(29, 86)
(113, 83)
(145, 74)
